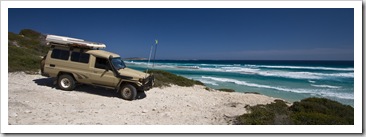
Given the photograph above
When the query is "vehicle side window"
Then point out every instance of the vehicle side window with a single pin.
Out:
(60, 54)
(101, 63)
(80, 57)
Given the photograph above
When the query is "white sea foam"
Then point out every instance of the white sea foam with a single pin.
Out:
(188, 67)
(319, 92)
(284, 74)
(302, 67)
(251, 70)
(135, 63)
(150, 65)
(238, 82)
(208, 82)
(325, 86)
(241, 70)
(311, 81)
(210, 69)
(299, 75)
(279, 73)
(294, 75)
(337, 95)
(346, 75)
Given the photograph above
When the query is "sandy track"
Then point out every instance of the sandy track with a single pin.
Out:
(33, 100)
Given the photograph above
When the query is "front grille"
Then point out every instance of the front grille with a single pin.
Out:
(148, 82)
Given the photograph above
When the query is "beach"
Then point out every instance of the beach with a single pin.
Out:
(34, 101)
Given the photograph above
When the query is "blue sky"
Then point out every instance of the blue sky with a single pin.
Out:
(238, 34)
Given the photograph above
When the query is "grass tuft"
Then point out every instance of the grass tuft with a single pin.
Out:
(226, 90)
(25, 50)
(164, 79)
(309, 111)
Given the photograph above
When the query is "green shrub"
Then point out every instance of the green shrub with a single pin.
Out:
(259, 115)
(164, 78)
(22, 59)
(321, 111)
(270, 114)
(314, 118)
(309, 111)
(30, 33)
(25, 50)
(252, 93)
(13, 37)
(226, 90)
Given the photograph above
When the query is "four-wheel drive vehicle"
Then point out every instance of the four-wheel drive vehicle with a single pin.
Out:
(73, 61)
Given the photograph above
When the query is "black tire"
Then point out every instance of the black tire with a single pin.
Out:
(128, 92)
(66, 82)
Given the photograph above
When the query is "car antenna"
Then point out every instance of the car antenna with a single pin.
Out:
(148, 62)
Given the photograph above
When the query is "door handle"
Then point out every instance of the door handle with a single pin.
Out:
(52, 65)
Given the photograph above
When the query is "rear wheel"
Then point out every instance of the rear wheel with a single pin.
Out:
(66, 82)
(128, 92)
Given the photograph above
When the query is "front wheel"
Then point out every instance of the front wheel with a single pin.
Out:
(128, 92)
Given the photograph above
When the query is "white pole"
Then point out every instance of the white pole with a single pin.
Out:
(156, 46)
(148, 62)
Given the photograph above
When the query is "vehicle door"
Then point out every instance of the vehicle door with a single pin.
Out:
(101, 73)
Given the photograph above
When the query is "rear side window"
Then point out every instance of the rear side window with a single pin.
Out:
(101, 63)
(80, 57)
(60, 54)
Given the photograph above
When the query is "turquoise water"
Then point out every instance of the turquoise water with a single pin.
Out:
(290, 80)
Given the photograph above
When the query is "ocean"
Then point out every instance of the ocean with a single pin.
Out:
(289, 80)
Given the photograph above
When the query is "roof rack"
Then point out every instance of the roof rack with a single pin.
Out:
(54, 40)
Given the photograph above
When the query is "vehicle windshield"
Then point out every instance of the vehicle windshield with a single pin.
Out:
(118, 63)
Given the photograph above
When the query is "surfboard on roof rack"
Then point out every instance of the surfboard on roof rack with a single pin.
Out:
(74, 42)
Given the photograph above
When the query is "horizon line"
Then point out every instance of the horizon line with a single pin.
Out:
(243, 59)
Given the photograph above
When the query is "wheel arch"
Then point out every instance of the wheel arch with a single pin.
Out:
(122, 83)
(66, 73)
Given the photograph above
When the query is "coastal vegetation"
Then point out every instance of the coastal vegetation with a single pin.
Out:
(309, 111)
(251, 93)
(25, 50)
(226, 90)
(164, 78)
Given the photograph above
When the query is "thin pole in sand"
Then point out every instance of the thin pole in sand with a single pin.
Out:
(156, 47)
(148, 62)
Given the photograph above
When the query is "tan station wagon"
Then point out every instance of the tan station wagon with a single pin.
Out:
(76, 63)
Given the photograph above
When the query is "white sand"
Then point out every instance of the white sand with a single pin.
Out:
(33, 100)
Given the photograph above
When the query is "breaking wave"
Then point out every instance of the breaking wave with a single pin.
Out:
(255, 70)
(302, 67)
(311, 81)
(319, 92)
(325, 86)
(208, 82)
